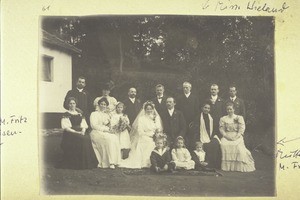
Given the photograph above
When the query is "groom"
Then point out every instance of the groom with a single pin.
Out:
(173, 121)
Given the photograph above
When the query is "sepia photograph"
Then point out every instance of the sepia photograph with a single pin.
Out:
(157, 105)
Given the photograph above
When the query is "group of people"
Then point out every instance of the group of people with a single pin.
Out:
(164, 133)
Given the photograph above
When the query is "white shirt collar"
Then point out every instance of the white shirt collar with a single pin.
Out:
(187, 95)
(160, 151)
(80, 90)
(233, 98)
(132, 99)
(214, 97)
(159, 99)
(171, 111)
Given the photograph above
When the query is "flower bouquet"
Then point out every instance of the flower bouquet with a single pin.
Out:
(122, 125)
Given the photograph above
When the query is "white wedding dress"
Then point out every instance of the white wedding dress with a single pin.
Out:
(142, 143)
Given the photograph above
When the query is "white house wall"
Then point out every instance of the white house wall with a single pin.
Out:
(52, 94)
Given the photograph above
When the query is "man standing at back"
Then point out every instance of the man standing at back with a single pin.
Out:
(132, 105)
(82, 96)
(238, 103)
(188, 104)
(160, 100)
(216, 107)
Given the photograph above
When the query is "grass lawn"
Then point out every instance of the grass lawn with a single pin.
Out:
(142, 182)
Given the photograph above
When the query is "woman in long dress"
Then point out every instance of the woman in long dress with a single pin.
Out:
(147, 123)
(235, 155)
(105, 143)
(76, 143)
(203, 129)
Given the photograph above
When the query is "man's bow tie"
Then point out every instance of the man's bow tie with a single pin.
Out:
(159, 97)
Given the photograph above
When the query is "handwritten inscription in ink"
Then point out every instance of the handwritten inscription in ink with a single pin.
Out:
(255, 6)
(288, 159)
(11, 126)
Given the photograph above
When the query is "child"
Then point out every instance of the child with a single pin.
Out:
(181, 156)
(120, 126)
(198, 156)
(160, 157)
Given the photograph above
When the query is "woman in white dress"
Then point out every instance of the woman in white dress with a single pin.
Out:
(147, 123)
(112, 102)
(105, 144)
(235, 155)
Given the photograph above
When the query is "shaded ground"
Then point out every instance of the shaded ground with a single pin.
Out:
(142, 182)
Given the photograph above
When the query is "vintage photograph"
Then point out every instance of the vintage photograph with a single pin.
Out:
(157, 105)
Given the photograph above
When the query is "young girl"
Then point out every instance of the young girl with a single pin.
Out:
(181, 156)
(120, 126)
(161, 157)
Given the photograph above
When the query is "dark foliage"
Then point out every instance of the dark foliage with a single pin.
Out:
(143, 51)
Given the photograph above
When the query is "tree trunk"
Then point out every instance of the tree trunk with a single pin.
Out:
(121, 54)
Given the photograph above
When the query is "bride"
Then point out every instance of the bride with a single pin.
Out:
(147, 123)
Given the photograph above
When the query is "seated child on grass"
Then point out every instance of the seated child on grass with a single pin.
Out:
(181, 156)
(161, 157)
(198, 156)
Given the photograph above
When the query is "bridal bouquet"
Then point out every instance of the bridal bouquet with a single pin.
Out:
(122, 125)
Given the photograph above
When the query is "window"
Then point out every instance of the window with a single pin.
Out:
(47, 68)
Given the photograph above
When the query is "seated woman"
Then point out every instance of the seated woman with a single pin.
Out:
(106, 144)
(235, 155)
(203, 131)
(76, 144)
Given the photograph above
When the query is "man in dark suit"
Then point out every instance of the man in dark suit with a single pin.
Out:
(160, 100)
(173, 122)
(84, 103)
(216, 107)
(132, 105)
(238, 103)
(188, 104)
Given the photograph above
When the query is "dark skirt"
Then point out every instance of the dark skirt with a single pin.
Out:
(78, 152)
(213, 154)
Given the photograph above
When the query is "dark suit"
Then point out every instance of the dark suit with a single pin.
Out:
(216, 111)
(160, 107)
(174, 125)
(190, 108)
(239, 106)
(83, 101)
(132, 109)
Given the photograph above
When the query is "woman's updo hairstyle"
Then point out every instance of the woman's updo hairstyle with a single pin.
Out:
(149, 103)
(71, 99)
(103, 100)
(230, 104)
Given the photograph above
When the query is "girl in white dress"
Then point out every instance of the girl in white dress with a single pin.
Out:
(120, 126)
(105, 143)
(181, 156)
(235, 155)
(147, 123)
